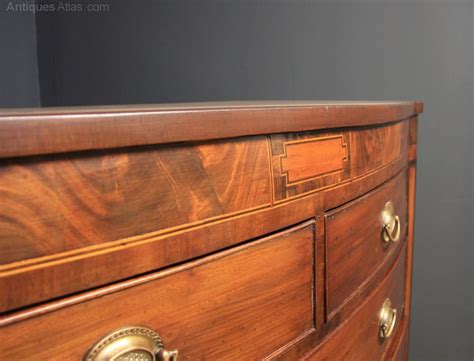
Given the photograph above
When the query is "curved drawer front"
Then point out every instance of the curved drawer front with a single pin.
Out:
(311, 161)
(243, 303)
(83, 214)
(69, 202)
(358, 242)
(360, 338)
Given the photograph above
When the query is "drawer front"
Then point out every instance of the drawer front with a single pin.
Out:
(82, 206)
(357, 243)
(375, 147)
(70, 202)
(243, 303)
(401, 353)
(86, 216)
(360, 338)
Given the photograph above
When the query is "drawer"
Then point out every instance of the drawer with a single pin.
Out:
(80, 209)
(242, 303)
(360, 338)
(357, 242)
(401, 351)
(67, 203)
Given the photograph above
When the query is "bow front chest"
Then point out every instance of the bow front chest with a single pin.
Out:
(207, 231)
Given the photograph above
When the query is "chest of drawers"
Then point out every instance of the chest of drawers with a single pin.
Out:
(220, 231)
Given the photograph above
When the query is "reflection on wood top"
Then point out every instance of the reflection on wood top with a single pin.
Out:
(33, 131)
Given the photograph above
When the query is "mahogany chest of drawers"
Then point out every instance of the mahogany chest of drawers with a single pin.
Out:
(232, 231)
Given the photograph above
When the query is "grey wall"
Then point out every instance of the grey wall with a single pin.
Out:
(216, 50)
(18, 62)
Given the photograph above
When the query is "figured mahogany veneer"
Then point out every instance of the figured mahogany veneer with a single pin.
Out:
(234, 230)
(222, 306)
(70, 202)
(374, 147)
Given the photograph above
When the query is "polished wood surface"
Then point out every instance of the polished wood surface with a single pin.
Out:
(358, 338)
(72, 202)
(86, 268)
(413, 138)
(294, 160)
(354, 243)
(313, 158)
(398, 350)
(373, 147)
(239, 304)
(55, 130)
(103, 209)
(234, 230)
(411, 222)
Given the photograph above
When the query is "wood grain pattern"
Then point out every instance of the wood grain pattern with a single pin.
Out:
(104, 224)
(57, 130)
(243, 303)
(309, 161)
(413, 135)
(313, 158)
(298, 349)
(312, 161)
(402, 351)
(354, 245)
(357, 339)
(411, 231)
(94, 266)
(398, 350)
(54, 205)
(374, 147)
(411, 226)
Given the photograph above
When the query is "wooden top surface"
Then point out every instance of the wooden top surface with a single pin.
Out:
(35, 131)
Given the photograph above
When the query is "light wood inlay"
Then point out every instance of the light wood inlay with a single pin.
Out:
(241, 231)
(112, 261)
(240, 304)
(63, 203)
(313, 158)
(309, 161)
(358, 339)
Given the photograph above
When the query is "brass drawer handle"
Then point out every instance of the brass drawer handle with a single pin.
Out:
(390, 224)
(387, 319)
(131, 343)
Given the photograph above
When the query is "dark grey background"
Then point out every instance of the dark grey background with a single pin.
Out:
(173, 51)
(19, 85)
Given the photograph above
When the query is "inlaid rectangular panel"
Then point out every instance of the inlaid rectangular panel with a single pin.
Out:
(313, 158)
(304, 162)
(60, 203)
(240, 304)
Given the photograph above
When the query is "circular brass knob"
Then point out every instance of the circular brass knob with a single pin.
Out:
(387, 319)
(390, 224)
(130, 344)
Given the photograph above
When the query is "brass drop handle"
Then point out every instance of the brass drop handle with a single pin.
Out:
(164, 355)
(130, 343)
(387, 319)
(390, 224)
